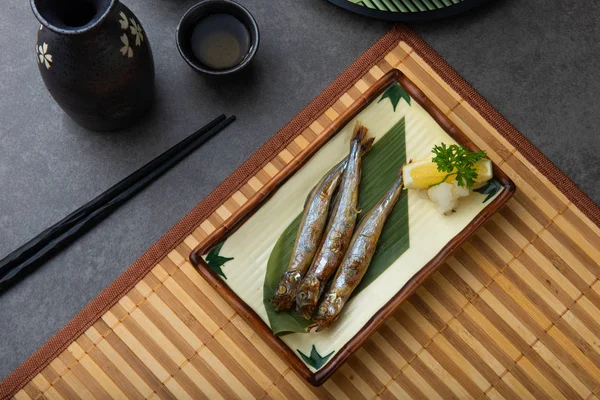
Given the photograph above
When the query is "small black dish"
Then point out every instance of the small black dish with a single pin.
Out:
(204, 9)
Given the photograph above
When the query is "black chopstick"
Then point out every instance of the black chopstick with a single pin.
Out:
(69, 228)
(32, 246)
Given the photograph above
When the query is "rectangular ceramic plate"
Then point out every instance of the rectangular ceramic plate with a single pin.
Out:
(237, 266)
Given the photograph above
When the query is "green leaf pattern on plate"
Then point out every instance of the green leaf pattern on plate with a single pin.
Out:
(395, 92)
(490, 189)
(215, 261)
(315, 360)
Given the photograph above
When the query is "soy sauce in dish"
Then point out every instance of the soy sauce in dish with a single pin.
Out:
(220, 41)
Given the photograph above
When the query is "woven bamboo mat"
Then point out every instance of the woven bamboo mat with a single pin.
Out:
(514, 313)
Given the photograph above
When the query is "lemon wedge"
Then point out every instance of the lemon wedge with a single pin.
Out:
(424, 173)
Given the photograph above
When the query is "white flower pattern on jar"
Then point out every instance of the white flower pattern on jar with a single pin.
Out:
(126, 49)
(123, 21)
(43, 56)
(136, 31)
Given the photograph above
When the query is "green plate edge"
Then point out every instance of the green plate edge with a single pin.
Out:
(407, 10)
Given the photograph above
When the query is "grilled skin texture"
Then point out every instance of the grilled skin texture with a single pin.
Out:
(339, 229)
(309, 236)
(357, 258)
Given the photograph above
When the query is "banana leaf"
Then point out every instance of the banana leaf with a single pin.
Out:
(379, 170)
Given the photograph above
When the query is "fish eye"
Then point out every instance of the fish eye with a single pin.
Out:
(302, 295)
(282, 289)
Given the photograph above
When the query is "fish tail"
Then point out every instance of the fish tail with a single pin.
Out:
(360, 132)
(366, 145)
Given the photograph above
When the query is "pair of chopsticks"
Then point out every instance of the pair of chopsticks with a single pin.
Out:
(50, 241)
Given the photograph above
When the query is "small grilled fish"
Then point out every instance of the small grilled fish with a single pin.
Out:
(357, 258)
(339, 229)
(309, 236)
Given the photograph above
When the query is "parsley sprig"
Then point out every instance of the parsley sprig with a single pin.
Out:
(459, 161)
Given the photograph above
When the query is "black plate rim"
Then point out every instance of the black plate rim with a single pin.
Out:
(407, 16)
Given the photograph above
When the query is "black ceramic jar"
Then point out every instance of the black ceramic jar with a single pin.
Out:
(95, 60)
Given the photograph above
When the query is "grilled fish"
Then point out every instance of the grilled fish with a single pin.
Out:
(358, 257)
(339, 229)
(309, 236)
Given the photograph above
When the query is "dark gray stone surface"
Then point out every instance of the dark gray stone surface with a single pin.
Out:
(536, 61)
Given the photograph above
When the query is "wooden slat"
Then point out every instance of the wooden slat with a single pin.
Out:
(246, 357)
(124, 368)
(22, 395)
(361, 387)
(71, 380)
(421, 385)
(484, 325)
(146, 357)
(456, 351)
(212, 377)
(224, 372)
(528, 373)
(432, 88)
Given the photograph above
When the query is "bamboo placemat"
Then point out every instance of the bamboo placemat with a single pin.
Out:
(514, 313)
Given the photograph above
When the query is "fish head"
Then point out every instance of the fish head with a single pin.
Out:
(328, 311)
(307, 296)
(285, 291)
